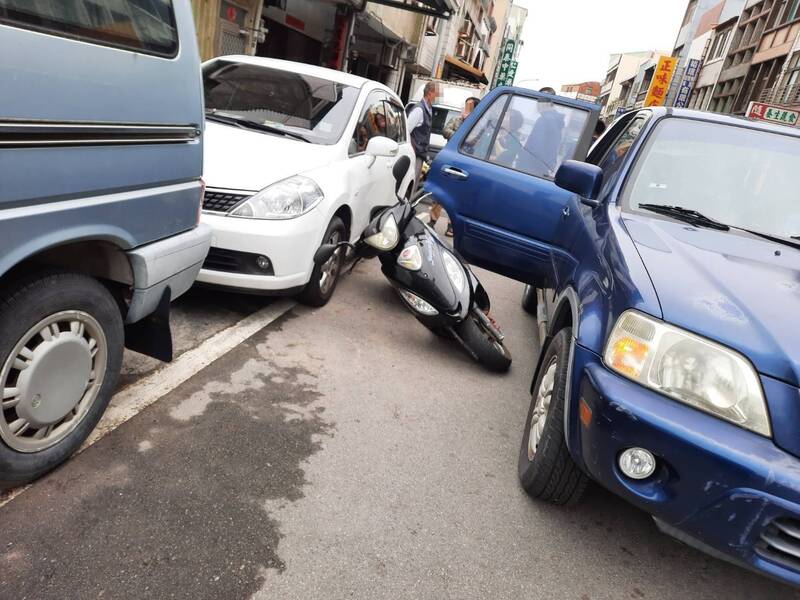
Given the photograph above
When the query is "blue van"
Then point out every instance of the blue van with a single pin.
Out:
(664, 267)
(101, 116)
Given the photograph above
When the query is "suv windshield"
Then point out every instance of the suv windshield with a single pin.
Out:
(735, 175)
(316, 109)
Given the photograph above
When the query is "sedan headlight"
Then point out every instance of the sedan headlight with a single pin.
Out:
(454, 271)
(689, 369)
(387, 237)
(285, 199)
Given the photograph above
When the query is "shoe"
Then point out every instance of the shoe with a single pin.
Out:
(449, 232)
(432, 223)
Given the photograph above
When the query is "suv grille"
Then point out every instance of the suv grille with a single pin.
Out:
(222, 201)
(780, 543)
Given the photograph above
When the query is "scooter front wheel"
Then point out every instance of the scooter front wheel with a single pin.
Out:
(488, 350)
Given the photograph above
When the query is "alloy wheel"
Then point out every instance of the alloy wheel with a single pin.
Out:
(541, 408)
(330, 268)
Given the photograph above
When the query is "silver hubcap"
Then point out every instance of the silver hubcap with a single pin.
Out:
(543, 396)
(51, 379)
(330, 269)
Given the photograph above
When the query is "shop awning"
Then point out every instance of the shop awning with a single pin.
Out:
(441, 9)
(466, 70)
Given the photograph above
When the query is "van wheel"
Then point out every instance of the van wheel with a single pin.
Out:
(324, 277)
(61, 342)
(546, 469)
(530, 301)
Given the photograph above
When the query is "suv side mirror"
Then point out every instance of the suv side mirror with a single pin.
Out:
(581, 178)
(380, 146)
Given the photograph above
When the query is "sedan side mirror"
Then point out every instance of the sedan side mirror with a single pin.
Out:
(380, 146)
(581, 178)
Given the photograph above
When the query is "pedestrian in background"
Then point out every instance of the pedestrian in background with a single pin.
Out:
(419, 124)
(454, 123)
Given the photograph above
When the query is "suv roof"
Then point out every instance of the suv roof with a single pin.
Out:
(735, 120)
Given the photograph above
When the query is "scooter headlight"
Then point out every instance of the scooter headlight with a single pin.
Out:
(410, 258)
(454, 271)
(418, 304)
(387, 237)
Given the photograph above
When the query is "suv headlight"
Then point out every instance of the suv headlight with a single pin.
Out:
(689, 369)
(285, 199)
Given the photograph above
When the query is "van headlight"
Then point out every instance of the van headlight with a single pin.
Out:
(387, 237)
(688, 368)
(285, 199)
(455, 272)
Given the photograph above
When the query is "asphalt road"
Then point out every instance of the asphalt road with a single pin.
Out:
(338, 453)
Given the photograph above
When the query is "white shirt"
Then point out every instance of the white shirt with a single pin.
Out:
(416, 118)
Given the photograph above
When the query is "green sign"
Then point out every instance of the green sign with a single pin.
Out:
(504, 67)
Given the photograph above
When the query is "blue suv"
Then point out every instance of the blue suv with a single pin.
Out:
(664, 267)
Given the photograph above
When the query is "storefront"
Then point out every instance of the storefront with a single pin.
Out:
(227, 26)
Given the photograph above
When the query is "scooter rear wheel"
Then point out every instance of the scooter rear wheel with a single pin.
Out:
(491, 352)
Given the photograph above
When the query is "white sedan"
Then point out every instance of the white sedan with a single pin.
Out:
(295, 156)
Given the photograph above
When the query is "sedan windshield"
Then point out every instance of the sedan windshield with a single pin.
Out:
(737, 176)
(310, 108)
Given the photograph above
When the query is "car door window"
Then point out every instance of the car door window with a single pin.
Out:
(614, 158)
(146, 26)
(536, 136)
(482, 134)
(395, 122)
(371, 123)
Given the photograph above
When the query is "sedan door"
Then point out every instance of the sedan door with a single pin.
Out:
(495, 180)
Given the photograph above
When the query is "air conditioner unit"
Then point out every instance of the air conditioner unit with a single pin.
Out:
(408, 54)
(390, 56)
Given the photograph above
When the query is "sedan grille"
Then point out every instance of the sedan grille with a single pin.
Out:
(221, 200)
(780, 543)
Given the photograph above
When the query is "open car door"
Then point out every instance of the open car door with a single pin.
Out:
(495, 180)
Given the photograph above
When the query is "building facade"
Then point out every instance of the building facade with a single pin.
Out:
(384, 40)
(588, 90)
(625, 78)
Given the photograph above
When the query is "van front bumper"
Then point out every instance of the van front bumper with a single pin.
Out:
(728, 491)
(169, 264)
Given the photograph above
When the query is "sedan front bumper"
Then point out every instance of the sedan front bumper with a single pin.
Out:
(734, 492)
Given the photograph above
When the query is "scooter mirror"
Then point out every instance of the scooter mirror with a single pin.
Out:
(324, 253)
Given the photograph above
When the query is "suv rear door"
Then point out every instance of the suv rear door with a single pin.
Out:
(495, 179)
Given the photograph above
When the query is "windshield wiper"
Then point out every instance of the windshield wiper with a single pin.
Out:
(694, 217)
(685, 214)
(248, 124)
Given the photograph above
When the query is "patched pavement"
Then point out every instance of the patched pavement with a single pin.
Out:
(339, 453)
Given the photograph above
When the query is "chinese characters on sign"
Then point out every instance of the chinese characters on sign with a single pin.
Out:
(685, 91)
(505, 74)
(773, 114)
(659, 85)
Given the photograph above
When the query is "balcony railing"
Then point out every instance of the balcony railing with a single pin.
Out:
(784, 95)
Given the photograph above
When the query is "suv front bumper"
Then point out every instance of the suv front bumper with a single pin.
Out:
(733, 492)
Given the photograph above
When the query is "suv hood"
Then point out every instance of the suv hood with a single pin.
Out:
(241, 159)
(741, 291)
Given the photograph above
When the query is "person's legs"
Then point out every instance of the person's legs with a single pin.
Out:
(417, 176)
(435, 212)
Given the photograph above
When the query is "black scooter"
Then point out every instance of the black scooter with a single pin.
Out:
(437, 286)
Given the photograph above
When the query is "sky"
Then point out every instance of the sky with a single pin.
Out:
(569, 41)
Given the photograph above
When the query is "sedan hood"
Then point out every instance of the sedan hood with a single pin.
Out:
(741, 291)
(242, 159)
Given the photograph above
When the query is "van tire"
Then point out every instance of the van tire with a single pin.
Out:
(317, 292)
(27, 302)
(551, 474)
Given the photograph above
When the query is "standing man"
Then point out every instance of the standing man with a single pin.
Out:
(419, 124)
(453, 124)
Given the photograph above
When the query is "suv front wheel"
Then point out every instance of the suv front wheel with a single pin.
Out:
(546, 469)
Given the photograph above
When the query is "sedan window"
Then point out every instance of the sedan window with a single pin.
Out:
(316, 109)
